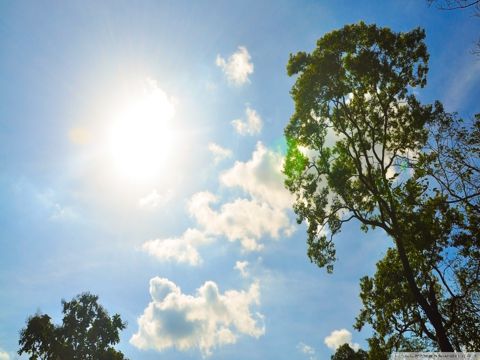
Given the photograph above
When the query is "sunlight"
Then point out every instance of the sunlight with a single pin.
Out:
(141, 135)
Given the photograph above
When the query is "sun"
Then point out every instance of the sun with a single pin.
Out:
(141, 135)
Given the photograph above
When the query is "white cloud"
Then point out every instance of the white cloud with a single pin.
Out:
(242, 267)
(307, 350)
(219, 153)
(263, 213)
(251, 126)
(203, 321)
(261, 177)
(237, 67)
(154, 199)
(4, 355)
(339, 337)
(182, 249)
(244, 220)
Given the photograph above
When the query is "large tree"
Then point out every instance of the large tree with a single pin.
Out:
(451, 162)
(87, 332)
(358, 150)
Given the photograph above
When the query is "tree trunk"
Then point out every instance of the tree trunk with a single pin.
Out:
(431, 311)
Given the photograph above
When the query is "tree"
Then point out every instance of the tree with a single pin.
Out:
(87, 332)
(357, 123)
(450, 161)
(345, 352)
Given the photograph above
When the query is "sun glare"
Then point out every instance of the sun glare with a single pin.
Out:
(141, 135)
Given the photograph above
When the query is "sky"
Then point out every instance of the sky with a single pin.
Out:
(141, 148)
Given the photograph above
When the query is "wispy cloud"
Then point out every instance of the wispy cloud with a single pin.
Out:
(252, 125)
(461, 83)
(182, 249)
(56, 210)
(307, 350)
(203, 321)
(219, 153)
(339, 337)
(154, 199)
(237, 67)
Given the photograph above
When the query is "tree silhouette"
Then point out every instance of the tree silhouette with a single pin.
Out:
(87, 332)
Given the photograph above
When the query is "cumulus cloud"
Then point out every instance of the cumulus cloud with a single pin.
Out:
(182, 249)
(261, 177)
(219, 153)
(263, 212)
(339, 337)
(307, 350)
(252, 125)
(203, 321)
(154, 199)
(241, 266)
(242, 219)
(237, 67)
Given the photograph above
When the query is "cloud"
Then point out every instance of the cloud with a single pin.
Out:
(261, 177)
(237, 67)
(219, 153)
(182, 249)
(252, 125)
(242, 219)
(307, 350)
(155, 200)
(57, 211)
(242, 267)
(4, 355)
(339, 337)
(461, 83)
(263, 212)
(203, 321)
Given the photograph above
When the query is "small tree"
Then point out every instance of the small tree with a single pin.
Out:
(87, 332)
(345, 352)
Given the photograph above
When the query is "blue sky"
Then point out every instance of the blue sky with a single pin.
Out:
(141, 147)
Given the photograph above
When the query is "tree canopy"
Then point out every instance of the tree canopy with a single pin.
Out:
(345, 352)
(87, 332)
(362, 147)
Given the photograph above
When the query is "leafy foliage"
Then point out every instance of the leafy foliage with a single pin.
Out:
(345, 352)
(87, 332)
(357, 121)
